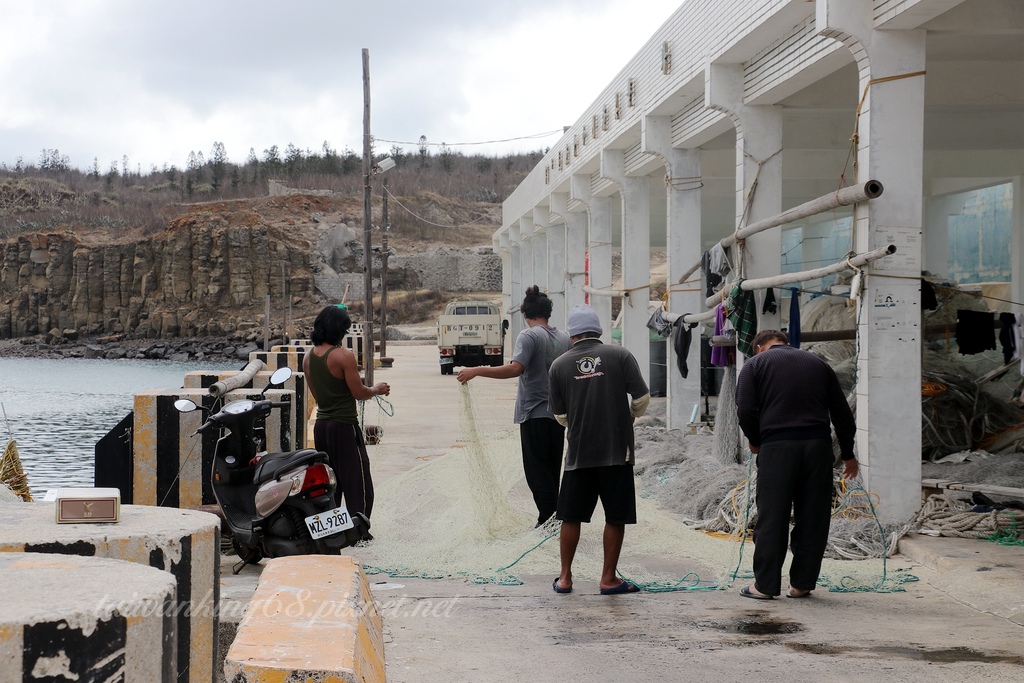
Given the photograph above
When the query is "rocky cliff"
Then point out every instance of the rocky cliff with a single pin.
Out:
(208, 273)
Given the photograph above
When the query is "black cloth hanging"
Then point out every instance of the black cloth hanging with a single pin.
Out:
(681, 338)
(928, 300)
(1006, 336)
(975, 331)
(769, 305)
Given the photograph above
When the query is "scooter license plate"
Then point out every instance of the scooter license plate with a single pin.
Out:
(447, 360)
(329, 523)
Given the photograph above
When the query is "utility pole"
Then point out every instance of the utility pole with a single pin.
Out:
(367, 219)
(384, 360)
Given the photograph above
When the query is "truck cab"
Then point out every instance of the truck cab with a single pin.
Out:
(470, 333)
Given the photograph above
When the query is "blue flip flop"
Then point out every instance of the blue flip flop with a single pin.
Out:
(559, 589)
(624, 587)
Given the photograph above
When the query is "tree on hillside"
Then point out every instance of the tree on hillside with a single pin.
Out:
(218, 165)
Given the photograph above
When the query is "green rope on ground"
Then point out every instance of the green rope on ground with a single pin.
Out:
(886, 584)
(1010, 535)
(695, 584)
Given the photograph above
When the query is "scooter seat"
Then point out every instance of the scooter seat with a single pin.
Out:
(273, 465)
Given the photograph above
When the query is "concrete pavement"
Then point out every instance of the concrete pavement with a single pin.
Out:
(961, 621)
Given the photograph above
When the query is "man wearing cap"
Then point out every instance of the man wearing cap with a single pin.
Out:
(596, 392)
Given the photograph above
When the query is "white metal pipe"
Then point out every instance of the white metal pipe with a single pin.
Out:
(805, 275)
(855, 194)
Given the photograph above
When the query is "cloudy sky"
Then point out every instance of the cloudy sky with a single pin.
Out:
(100, 79)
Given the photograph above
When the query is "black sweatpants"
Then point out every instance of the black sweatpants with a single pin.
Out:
(792, 476)
(542, 440)
(343, 444)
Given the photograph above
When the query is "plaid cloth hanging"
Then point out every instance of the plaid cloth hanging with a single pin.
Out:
(742, 313)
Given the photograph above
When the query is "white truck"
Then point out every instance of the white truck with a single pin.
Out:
(470, 333)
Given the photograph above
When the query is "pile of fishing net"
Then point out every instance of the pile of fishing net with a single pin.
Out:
(959, 413)
(468, 514)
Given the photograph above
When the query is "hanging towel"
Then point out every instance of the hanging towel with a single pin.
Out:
(657, 323)
(1007, 335)
(975, 331)
(719, 260)
(794, 317)
(681, 336)
(721, 356)
(743, 316)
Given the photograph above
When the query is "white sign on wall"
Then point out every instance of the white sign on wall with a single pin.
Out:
(907, 259)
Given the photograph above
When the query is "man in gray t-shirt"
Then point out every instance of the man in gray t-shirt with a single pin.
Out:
(541, 436)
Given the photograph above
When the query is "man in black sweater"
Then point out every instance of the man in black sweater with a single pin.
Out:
(786, 398)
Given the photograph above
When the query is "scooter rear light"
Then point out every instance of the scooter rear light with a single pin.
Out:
(316, 480)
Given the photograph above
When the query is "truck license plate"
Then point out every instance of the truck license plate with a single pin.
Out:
(447, 360)
(328, 523)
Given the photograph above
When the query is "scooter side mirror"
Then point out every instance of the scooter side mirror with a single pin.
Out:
(279, 377)
(184, 405)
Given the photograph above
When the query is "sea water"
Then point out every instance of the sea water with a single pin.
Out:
(57, 409)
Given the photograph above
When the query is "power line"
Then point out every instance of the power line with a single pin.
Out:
(462, 144)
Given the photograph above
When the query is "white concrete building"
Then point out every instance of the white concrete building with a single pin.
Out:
(736, 110)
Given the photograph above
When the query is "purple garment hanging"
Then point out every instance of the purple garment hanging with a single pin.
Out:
(721, 356)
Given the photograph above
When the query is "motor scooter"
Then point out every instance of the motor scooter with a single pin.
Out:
(275, 504)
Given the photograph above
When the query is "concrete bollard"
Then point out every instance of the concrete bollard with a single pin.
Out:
(184, 543)
(170, 467)
(199, 379)
(311, 618)
(281, 359)
(85, 619)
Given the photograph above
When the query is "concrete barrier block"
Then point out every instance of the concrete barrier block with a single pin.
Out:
(74, 618)
(312, 618)
(171, 468)
(297, 382)
(281, 359)
(184, 543)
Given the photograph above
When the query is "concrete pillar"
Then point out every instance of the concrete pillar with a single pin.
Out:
(683, 247)
(636, 256)
(936, 233)
(1017, 242)
(575, 255)
(70, 618)
(599, 248)
(758, 176)
(890, 147)
(556, 274)
(184, 543)
(526, 263)
(568, 251)
(541, 219)
(504, 248)
(516, 287)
